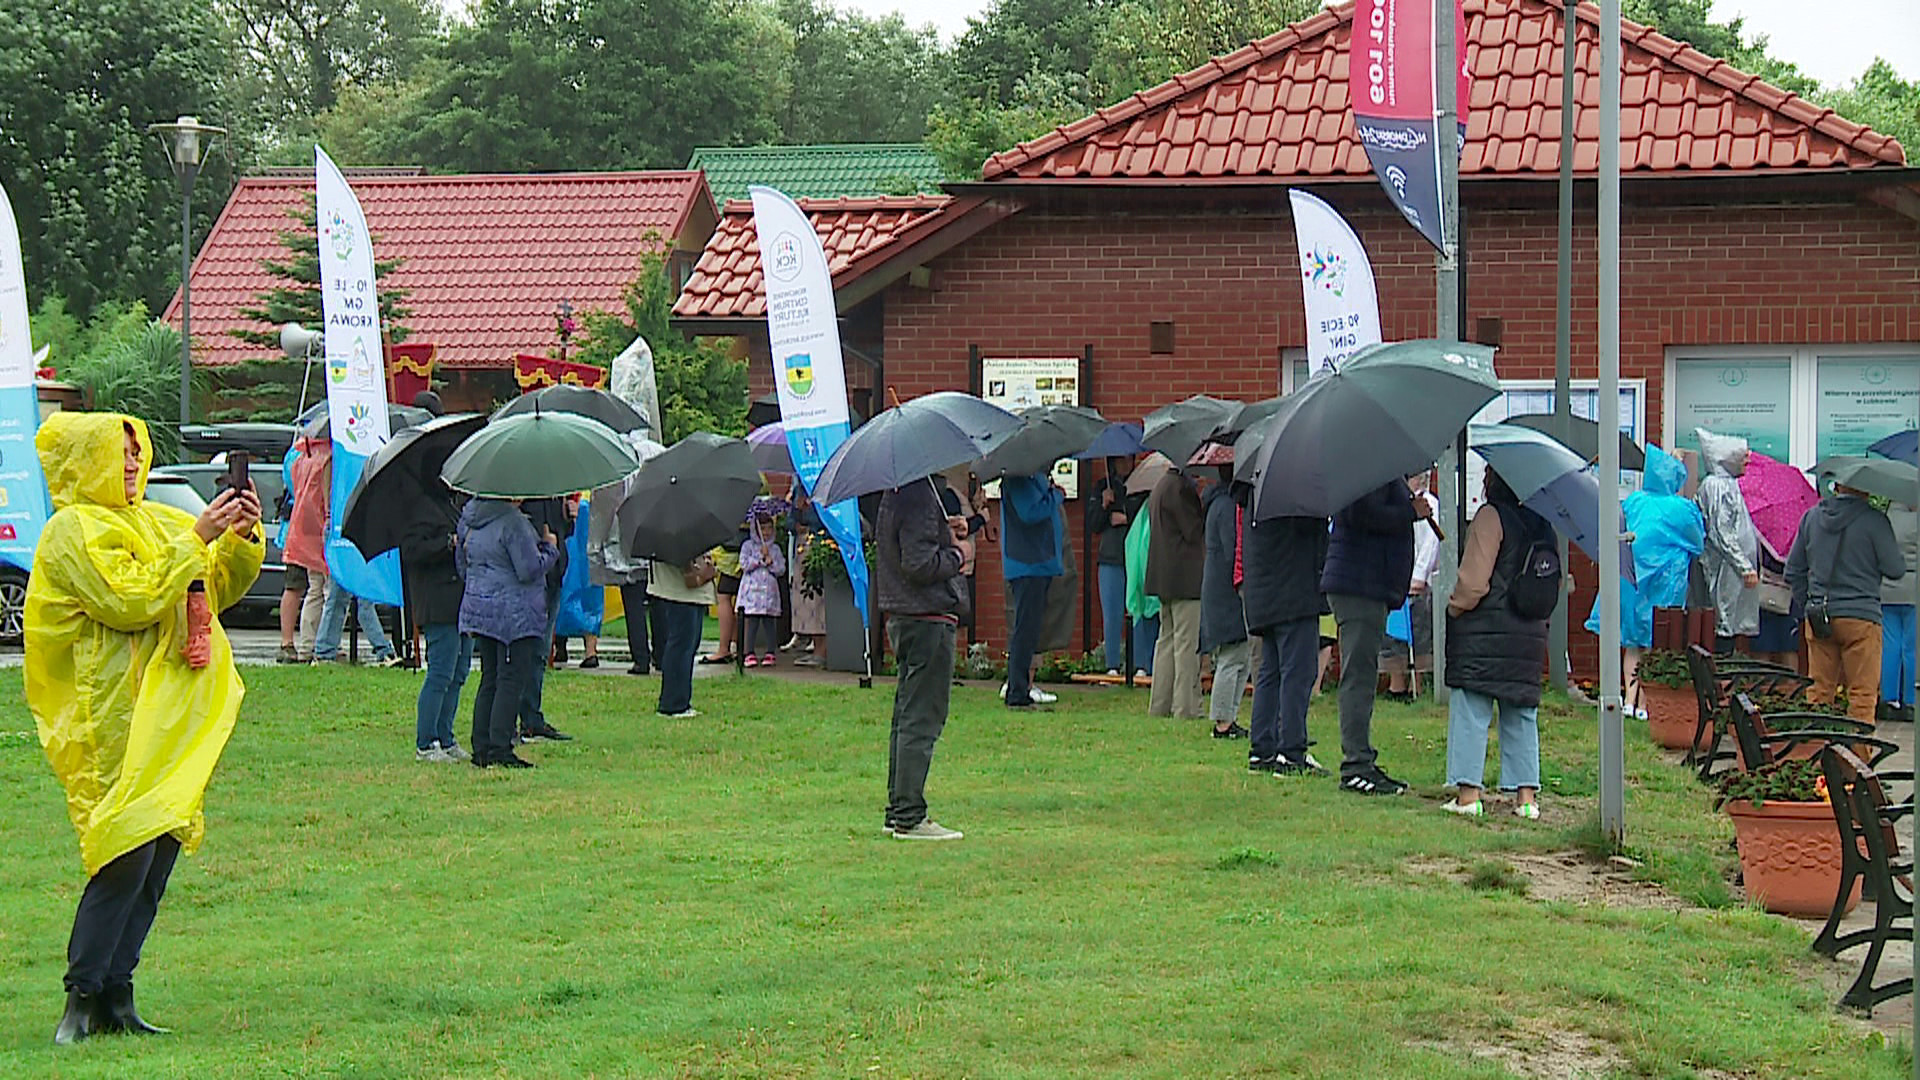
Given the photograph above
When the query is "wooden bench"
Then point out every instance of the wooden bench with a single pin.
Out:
(1869, 851)
(1716, 680)
(1766, 738)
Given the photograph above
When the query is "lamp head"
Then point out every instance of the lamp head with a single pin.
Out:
(186, 141)
(299, 342)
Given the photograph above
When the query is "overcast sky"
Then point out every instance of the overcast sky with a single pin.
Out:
(1832, 41)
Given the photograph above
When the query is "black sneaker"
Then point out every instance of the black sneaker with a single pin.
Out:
(1261, 765)
(1304, 765)
(1374, 781)
(546, 734)
(1233, 731)
(511, 761)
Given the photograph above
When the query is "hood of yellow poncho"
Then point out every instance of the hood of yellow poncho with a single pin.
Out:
(83, 455)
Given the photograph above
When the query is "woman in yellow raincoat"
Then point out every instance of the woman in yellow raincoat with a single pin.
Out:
(132, 721)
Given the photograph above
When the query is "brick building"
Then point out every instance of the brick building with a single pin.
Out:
(1770, 248)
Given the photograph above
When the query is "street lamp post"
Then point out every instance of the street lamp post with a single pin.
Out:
(186, 141)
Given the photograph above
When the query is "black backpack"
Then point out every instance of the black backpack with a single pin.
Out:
(1535, 589)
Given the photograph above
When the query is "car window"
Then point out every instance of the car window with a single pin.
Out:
(175, 492)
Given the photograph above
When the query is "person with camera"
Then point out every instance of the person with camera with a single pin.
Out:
(1844, 551)
(682, 594)
(132, 685)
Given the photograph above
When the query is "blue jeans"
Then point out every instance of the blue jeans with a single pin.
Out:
(531, 716)
(333, 622)
(1113, 614)
(449, 658)
(1896, 654)
(680, 626)
(1029, 612)
(1283, 688)
(1469, 714)
(1146, 635)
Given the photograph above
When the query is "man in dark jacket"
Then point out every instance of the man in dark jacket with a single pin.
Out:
(1176, 556)
(433, 587)
(1282, 559)
(1844, 550)
(1032, 536)
(1110, 513)
(917, 576)
(1369, 563)
(1223, 625)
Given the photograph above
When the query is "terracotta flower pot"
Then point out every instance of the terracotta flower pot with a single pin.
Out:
(1672, 715)
(1790, 855)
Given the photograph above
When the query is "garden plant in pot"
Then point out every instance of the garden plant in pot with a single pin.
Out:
(1666, 692)
(1783, 715)
(1789, 843)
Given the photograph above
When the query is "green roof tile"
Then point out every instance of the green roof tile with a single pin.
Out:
(825, 171)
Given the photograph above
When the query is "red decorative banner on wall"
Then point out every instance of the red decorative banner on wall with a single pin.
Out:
(534, 372)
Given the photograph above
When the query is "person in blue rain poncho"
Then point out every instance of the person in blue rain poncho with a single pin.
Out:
(1668, 534)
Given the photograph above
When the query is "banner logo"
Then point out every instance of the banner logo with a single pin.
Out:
(1327, 270)
(784, 260)
(800, 374)
(340, 237)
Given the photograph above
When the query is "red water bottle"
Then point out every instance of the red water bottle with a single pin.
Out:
(198, 650)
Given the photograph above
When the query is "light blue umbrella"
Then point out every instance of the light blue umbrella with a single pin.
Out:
(911, 442)
(1120, 439)
(1551, 480)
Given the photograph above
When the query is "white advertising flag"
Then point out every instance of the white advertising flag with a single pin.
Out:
(23, 489)
(1343, 310)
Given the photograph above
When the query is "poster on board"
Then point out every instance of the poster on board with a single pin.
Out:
(1015, 384)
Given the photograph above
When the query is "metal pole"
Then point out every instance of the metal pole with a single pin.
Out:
(1447, 308)
(187, 176)
(1557, 662)
(1613, 797)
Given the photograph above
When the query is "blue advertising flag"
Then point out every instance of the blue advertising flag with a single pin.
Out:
(23, 489)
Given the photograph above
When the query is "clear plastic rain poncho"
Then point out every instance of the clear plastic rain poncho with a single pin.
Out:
(1668, 534)
(132, 732)
(1732, 543)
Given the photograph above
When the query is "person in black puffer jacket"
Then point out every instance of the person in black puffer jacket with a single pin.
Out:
(434, 588)
(1281, 561)
(1369, 565)
(1495, 656)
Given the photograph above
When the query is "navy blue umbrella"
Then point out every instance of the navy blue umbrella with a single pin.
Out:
(1900, 446)
(912, 442)
(1120, 439)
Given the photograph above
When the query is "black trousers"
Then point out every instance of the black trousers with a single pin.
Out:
(634, 599)
(505, 672)
(115, 913)
(923, 653)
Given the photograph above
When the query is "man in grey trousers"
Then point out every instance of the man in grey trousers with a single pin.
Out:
(919, 552)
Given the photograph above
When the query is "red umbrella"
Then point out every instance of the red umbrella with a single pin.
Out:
(1778, 496)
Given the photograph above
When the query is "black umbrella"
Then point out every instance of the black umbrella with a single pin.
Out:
(689, 498)
(580, 401)
(315, 421)
(1583, 438)
(763, 410)
(1177, 430)
(1047, 434)
(911, 442)
(396, 480)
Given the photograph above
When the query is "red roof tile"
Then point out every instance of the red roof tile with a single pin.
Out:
(1279, 108)
(726, 283)
(486, 260)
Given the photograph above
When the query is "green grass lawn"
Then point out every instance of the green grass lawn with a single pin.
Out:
(714, 898)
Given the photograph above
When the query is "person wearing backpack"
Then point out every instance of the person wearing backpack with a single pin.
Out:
(1510, 580)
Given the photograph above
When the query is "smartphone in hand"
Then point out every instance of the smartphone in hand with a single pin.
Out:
(239, 464)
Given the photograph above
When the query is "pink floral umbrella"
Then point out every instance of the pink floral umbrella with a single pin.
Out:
(1778, 496)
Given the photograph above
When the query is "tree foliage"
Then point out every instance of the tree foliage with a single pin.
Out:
(703, 386)
(137, 372)
(301, 54)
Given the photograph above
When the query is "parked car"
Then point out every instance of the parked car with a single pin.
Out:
(204, 480)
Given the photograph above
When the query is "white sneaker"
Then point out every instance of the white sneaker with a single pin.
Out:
(1113, 673)
(1003, 691)
(686, 715)
(1041, 697)
(431, 753)
(1527, 810)
(1141, 673)
(455, 753)
(928, 830)
(1472, 809)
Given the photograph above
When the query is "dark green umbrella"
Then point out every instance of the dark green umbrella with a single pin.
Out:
(1884, 477)
(393, 483)
(541, 455)
(580, 401)
(1047, 434)
(1389, 411)
(1243, 418)
(1583, 438)
(1177, 430)
(689, 497)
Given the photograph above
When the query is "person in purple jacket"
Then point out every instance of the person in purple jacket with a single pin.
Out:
(504, 606)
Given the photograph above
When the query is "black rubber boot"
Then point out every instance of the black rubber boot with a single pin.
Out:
(80, 1020)
(116, 1007)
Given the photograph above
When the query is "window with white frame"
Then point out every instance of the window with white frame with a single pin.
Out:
(1793, 403)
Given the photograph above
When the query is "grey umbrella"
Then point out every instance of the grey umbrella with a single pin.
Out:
(539, 455)
(581, 401)
(912, 442)
(689, 498)
(1884, 477)
(1583, 438)
(1047, 434)
(1177, 430)
(1387, 412)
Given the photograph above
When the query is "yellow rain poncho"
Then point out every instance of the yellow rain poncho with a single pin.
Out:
(132, 732)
